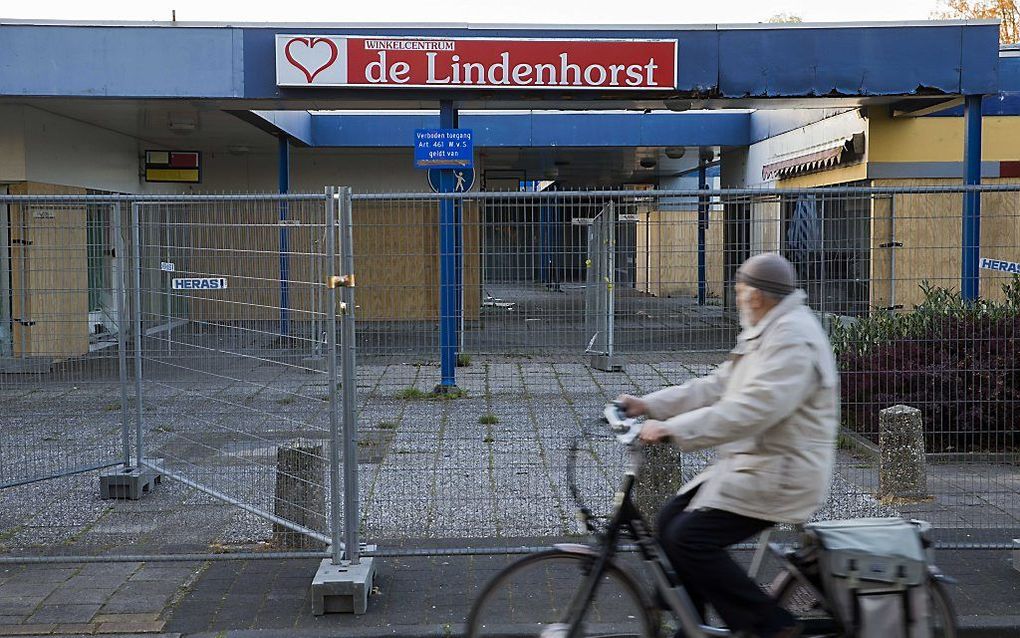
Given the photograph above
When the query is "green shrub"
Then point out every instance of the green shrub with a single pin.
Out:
(955, 361)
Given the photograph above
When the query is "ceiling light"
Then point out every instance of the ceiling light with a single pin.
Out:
(674, 152)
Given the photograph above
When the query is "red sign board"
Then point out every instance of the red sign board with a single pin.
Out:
(447, 63)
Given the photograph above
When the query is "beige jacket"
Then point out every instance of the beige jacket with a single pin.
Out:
(771, 410)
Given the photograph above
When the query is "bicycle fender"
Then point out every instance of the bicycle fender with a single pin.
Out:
(576, 548)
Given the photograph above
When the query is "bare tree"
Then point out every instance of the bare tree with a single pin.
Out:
(1004, 10)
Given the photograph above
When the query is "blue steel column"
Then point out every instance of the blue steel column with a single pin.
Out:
(702, 225)
(971, 201)
(283, 170)
(447, 264)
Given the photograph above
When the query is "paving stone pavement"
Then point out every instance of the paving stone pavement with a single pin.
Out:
(88, 599)
(431, 471)
(489, 465)
(428, 595)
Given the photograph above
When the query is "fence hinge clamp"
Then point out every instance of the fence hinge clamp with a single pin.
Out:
(341, 281)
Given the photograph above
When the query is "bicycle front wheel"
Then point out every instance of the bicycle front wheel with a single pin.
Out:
(534, 595)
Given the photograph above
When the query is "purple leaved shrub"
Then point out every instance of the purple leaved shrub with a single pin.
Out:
(955, 361)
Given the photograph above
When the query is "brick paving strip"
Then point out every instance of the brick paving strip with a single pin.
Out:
(97, 598)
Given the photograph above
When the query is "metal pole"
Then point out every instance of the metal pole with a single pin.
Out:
(972, 200)
(135, 238)
(347, 354)
(823, 273)
(25, 320)
(283, 170)
(702, 226)
(648, 253)
(6, 327)
(169, 300)
(610, 284)
(447, 264)
(120, 305)
(892, 252)
(334, 423)
(459, 222)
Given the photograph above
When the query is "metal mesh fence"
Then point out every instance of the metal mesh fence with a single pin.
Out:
(234, 361)
(215, 311)
(487, 464)
(61, 337)
(239, 398)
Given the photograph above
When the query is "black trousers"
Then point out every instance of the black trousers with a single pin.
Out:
(696, 543)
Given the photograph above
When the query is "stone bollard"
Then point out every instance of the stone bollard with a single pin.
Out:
(300, 495)
(902, 474)
(661, 477)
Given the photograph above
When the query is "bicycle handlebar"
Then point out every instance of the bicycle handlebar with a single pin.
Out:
(627, 429)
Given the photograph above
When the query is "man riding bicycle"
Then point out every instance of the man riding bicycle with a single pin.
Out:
(771, 410)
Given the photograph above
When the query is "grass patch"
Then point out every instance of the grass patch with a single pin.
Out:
(488, 419)
(412, 393)
(285, 401)
(455, 393)
(11, 533)
(463, 360)
(387, 425)
(489, 439)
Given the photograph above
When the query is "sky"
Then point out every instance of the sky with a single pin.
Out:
(660, 12)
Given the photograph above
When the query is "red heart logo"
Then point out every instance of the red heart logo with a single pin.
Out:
(311, 43)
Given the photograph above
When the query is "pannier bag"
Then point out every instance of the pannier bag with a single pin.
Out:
(875, 572)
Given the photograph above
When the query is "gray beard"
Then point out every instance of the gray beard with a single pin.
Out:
(745, 319)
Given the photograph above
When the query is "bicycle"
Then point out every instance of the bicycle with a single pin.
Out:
(574, 590)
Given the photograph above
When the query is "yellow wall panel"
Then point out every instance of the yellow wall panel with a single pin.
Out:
(937, 139)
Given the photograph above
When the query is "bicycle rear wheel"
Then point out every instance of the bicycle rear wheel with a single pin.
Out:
(532, 597)
(801, 600)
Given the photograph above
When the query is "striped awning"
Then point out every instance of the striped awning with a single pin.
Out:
(815, 158)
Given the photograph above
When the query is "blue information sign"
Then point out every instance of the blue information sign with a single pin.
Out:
(443, 148)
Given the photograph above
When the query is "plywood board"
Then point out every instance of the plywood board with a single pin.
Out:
(49, 275)
(667, 253)
(396, 262)
(929, 225)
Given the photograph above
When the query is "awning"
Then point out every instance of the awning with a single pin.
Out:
(815, 158)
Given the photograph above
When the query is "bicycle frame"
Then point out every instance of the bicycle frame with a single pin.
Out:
(627, 517)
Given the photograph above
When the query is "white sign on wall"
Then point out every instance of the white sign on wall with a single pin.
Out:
(1002, 266)
(199, 283)
(311, 61)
